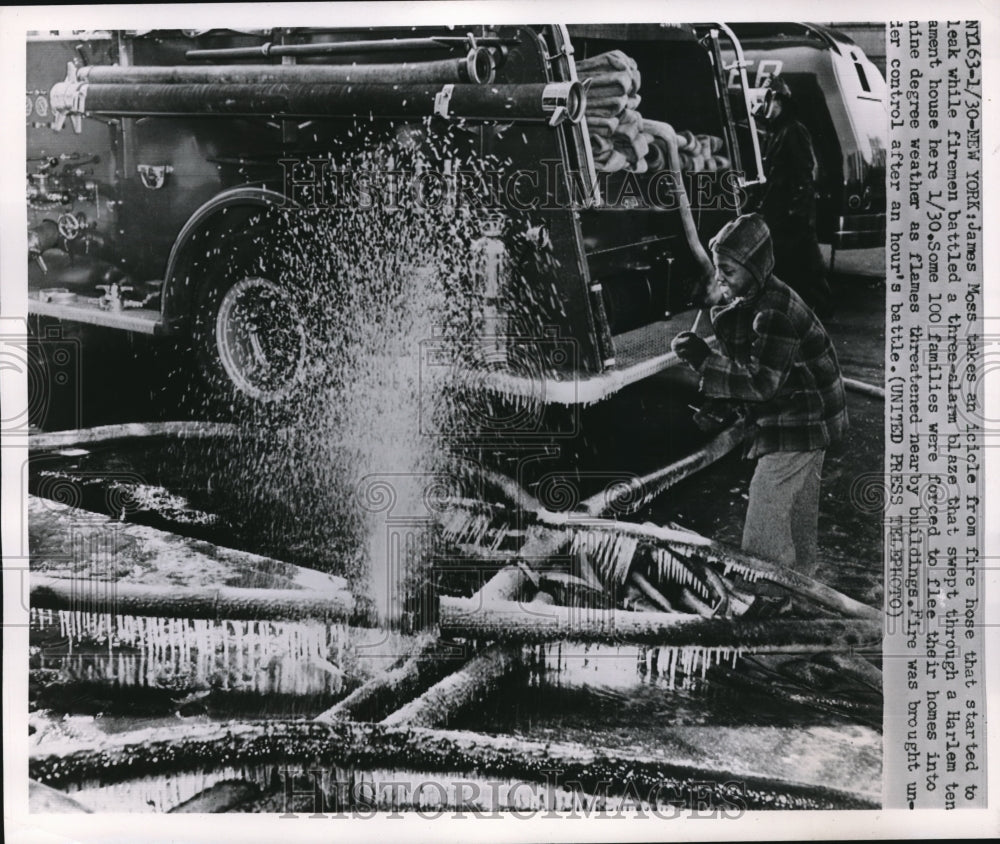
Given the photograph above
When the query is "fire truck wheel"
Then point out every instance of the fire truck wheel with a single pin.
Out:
(250, 337)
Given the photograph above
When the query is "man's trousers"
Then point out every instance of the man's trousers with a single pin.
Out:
(783, 510)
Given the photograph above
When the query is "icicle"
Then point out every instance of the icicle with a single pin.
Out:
(156, 635)
(178, 630)
(198, 648)
(238, 641)
(225, 655)
(291, 680)
(453, 524)
(465, 527)
(184, 644)
(604, 553)
(456, 525)
(306, 640)
(482, 525)
(190, 644)
(153, 631)
(169, 642)
(206, 644)
(253, 656)
(248, 663)
(160, 646)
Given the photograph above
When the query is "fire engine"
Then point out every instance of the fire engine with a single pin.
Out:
(159, 162)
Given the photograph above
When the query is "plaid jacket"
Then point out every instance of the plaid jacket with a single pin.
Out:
(779, 359)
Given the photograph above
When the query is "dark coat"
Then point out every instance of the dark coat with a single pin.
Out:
(790, 169)
(788, 206)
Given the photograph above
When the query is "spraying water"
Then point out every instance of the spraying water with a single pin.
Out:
(386, 287)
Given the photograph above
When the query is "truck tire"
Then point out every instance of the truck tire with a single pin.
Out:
(249, 333)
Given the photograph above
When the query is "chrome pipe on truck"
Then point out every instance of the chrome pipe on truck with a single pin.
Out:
(540, 102)
(476, 67)
(340, 48)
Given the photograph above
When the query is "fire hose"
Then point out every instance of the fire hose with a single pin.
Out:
(864, 388)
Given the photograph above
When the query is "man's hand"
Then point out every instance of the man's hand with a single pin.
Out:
(691, 348)
(716, 414)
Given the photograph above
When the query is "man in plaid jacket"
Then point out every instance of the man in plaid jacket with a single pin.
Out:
(776, 357)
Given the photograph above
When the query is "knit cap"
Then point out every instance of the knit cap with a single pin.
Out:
(747, 241)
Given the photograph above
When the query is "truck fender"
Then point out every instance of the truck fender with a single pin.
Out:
(178, 287)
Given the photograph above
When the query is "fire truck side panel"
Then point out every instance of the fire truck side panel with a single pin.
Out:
(72, 196)
(174, 169)
(46, 62)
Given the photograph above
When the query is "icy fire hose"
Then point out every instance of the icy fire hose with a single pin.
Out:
(665, 132)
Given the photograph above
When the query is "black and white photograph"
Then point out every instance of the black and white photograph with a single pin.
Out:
(464, 419)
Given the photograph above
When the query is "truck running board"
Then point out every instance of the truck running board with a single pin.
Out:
(87, 309)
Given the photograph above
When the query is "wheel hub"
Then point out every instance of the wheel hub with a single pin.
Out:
(260, 338)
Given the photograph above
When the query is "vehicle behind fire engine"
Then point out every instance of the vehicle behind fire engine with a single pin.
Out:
(167, 170)
(840, 98)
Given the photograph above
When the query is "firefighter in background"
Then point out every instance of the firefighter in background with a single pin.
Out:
(777, 360)
(788, 203)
